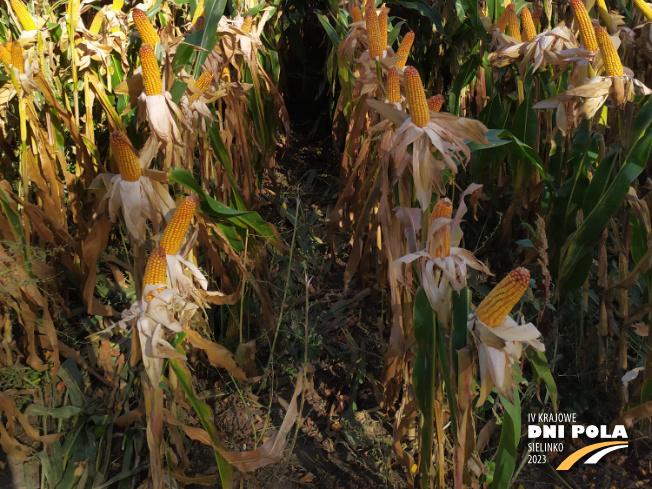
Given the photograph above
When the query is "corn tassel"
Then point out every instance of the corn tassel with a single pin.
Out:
(96, 25)
(5, 55)
(500, 301)
(155, 270)
(393, 87)
(404, 49)
(199, 12)
(586, 27)
(644, 8)
(117, 4)
(373, 33)
(151, 71)
(17, 57)
(382, 25)
(356, 14)
(125, 156)
(24, 17)
(603, 12)
(502, 22)
(204, 80)
(435, 103)
(529, 31)
(416, 97)
(175, 231)
(145, 28)
(612, 63)
(443, 208)
(512, 22)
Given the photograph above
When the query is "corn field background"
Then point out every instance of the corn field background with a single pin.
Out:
(311, 243)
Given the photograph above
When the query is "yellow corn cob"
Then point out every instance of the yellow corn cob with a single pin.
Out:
(17, 57)
(404, 49)
(5, 55)
(97, 23)
(23, 15)
(612, 63)
(603, 12)
(151, 71)
(529, 31)
(586, 27)
(248, 22)
(443, 208)
(175, 231)
(382, 26)
(512, 21)
(373, 33)
(644, 8)
(117, 4)
(393, 87)
(500, 301)
(356, 14)
(155, 270)
(125, 156)
(199, 11)
(226, 75)
(145, 28)
(416, 97)
(435, 103)
(204, 80)
(503, 20)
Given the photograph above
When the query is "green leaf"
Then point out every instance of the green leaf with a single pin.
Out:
(214, 10)
(461, 310)
(510, 434)
(542, 369)
(177, 90)
(63, 412)
(423, 375)
(330, 30)
(583, 241)
(426, 10)
(462, 79)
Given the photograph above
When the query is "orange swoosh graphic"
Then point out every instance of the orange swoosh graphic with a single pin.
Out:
(571, 459)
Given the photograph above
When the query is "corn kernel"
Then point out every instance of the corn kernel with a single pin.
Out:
(500, 301)
(125, 156)
(175, 231)
(416, 97)
(404, 49)
(587, 34)
(151, 71)
(145, 28)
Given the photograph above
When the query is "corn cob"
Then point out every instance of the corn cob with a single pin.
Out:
(382, 25)
(226, 75)
(356, 14)
(96, 25)
(204, 80)
(175, 231)
(612, 62)
(145, 28)
(5, 55)
(603, 12)
(373, 33)
(435, 103)
(512, 22)
(248, 22)
(151, 71)
(529, 31)
(586, 27)
(393, 87)
(155, 270)
(125, 156)
(502, 22)
(536, 17)
(416, 97)
(199, 11)
(24, 17)
(500, 301)
(117, 4)
(644, 8)
(443, 208)
(404, 49)
(17, 57)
